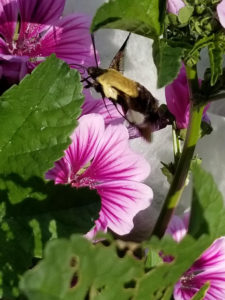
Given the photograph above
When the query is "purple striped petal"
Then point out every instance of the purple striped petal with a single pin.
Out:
(41, 11)
(85, 140)
(100, 226)
(121, 201)
(114, 160)
(210, 267)
(60, 173)
(177, 228)
(177, 98)
(3, 47)
(14, 68)
(221, 12)
(8, 19)
(70, 40)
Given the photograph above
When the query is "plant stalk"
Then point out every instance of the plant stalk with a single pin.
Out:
(183, 165)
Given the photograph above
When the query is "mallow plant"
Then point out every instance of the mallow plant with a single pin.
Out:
(70, 183)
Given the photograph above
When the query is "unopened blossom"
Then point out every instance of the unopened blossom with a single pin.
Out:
(221, 12)
(173, 6)
(178, 226)
(40, 32)
(99, 157)
(178, 100)
(209, 267)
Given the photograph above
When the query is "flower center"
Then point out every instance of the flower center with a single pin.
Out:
(80, 180)
(187, 278)
(27, 41)
(83, 182)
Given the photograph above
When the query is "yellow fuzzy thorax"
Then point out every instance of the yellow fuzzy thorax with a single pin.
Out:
(113, 81)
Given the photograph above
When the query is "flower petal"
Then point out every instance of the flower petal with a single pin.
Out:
(177, 98)
(14, 68)
(121, 201)
(114, 160)
(221, 12)
(41, 11)
(8, 19)
(3, 47)
(60, 173)
(177, 229)
(173, 6)
(210, 267)
(100, 226)
(82, 149)
(213, 257)
(70, 40)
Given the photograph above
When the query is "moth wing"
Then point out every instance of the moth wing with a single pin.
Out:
(118, 60)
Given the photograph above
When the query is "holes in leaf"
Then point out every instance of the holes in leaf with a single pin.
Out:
(106, 243)
(73, 265)
(129, 248)
(130, 284)
(73, 262)
(74, 280)
(121, 252)
(139, 253)
(101, 289)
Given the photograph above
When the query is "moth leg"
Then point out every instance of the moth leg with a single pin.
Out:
(103, 98)
(89, 83)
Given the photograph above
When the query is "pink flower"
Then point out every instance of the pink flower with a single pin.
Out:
(42, 31)
(173, 6)
(178, 227)
(177, 98)
(221, 12)
(209, 267)
(178, 101)
(100, 158)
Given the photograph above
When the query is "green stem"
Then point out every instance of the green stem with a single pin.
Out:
(183, 165)
(176, 144)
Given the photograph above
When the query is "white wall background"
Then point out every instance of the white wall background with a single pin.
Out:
(140, 67)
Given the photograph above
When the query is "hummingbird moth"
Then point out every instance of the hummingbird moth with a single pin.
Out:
(140, 108)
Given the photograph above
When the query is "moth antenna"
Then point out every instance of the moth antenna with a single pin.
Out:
(85, 79)
(93, 43)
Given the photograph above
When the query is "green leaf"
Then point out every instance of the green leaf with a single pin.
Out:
(76, 269)
(200, 295)
(49, 212)
(208, 212)
(216, 61)
(153, 259)
(193, 55)
(37, 117)
(185, 13)
(167, 60)
(141, 17)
